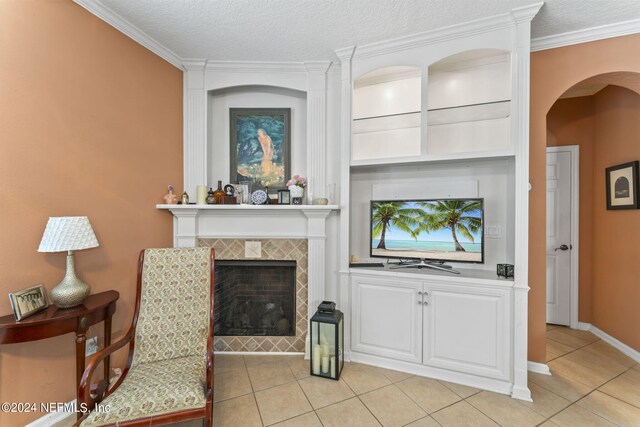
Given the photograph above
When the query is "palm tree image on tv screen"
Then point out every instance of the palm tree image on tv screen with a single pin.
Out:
(443, 230)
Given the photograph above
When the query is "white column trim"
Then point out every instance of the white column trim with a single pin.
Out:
(345, 56)
(316, 128)
(195, 126)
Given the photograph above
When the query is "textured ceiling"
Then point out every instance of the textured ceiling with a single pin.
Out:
(299, 30)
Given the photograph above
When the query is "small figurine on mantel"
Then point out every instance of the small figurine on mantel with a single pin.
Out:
(170, 198)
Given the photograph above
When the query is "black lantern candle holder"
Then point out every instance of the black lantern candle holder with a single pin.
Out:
(505, 270)
(327, 341)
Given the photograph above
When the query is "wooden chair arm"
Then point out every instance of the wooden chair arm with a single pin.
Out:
(85, 383)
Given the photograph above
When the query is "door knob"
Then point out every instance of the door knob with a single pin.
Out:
(562, 248)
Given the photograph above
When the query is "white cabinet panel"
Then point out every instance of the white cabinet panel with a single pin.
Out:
(387, 318)
(467, 329)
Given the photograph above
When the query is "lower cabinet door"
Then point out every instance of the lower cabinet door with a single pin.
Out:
(387, 317)
(467, 329)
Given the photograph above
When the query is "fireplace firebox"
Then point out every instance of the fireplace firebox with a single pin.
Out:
(255, 298)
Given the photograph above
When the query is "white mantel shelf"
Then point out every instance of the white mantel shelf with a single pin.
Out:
(249, 208)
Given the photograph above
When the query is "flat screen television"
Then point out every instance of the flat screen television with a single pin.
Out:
(433, 229)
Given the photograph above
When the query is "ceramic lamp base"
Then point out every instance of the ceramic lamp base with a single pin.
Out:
(71, 291)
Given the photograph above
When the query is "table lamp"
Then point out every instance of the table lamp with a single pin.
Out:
(68, 233)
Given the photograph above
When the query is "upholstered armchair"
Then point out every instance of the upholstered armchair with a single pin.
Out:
(168, 375)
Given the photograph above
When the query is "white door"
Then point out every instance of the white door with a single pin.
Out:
(386, 317)
(559, 237)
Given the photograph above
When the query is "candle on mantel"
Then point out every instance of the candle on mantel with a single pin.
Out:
(324, 349)
(316, 360)
(202, 194)
(325, 364)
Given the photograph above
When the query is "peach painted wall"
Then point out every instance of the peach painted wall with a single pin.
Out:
(554, 71)
(571, 122)
(616, 234)
(90, 124)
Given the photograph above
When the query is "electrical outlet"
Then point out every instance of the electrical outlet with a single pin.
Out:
(91, 346)
(493, 232)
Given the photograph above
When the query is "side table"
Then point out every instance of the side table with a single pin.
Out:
(59, 321)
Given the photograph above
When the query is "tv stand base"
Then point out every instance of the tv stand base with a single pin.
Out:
(436, 265)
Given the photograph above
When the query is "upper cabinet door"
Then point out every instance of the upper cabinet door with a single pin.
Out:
(387, 114)
(386, 317)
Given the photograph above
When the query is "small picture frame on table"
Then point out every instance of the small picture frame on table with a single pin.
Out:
(622, 186)
(284, 197)
(296, 201)
(28, 301)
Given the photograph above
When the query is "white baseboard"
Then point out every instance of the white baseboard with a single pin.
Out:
(261, 353)
(584, 326)
(52, 418)
(539, 368)
(631, 352)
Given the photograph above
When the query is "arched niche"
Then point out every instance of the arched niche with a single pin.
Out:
(469, 102)
(387, 105)
(219, 101)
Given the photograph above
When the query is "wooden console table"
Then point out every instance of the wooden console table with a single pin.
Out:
(58, 321)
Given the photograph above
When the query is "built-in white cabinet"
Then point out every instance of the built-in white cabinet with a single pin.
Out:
(388, 317)
(460, 325)
(467, 328)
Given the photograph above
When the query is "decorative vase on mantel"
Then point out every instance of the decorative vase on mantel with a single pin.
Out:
(296, 191)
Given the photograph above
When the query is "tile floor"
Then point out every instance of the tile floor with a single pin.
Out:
(593, 384)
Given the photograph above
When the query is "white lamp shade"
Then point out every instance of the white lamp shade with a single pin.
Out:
(68, 233)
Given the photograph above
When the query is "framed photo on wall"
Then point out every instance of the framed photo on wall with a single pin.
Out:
(622, 186)
(28, 301)
(260, 145)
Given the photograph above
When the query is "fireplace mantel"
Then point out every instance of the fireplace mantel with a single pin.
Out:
(193, 222)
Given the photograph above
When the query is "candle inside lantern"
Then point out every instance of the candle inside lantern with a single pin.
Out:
(324, 349)
(325, 364)
(333, 366)
(316, 360)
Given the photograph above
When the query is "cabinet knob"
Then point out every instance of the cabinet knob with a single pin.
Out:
(420, 302)
(419, 292)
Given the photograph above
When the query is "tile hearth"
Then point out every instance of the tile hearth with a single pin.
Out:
(272, 249)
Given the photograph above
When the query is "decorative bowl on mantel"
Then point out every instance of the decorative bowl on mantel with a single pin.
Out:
(259, 197)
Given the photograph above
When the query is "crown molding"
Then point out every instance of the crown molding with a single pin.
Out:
(119, 23)
(455, 31)
(256, 66)
(526, 13)
(586, 35)
(317, 66)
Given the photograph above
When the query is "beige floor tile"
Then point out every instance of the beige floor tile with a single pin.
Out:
(241, 411)
(564, 386)
(424, 422)
(595, 360)
(230, 384)
(593, 376)
(67, 422)
(601, 347)
(637, 367)
(428, 393)
(550, 326)
(260, 359)
(576, 416)
(307, 420)
(505, 410)
(612, 409)
(549, 356)
(585, 335)
(391, 406)
(459, 389)
(269, 375)
(281, 403)
(395, 376)
(299, 367)
(350, 413)
(323, 392)
(227, 362)
(462, 414)
(567, 339)
(545, 402)
(363, 378)
(626, 387)
(549, 423)
(558, 348)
